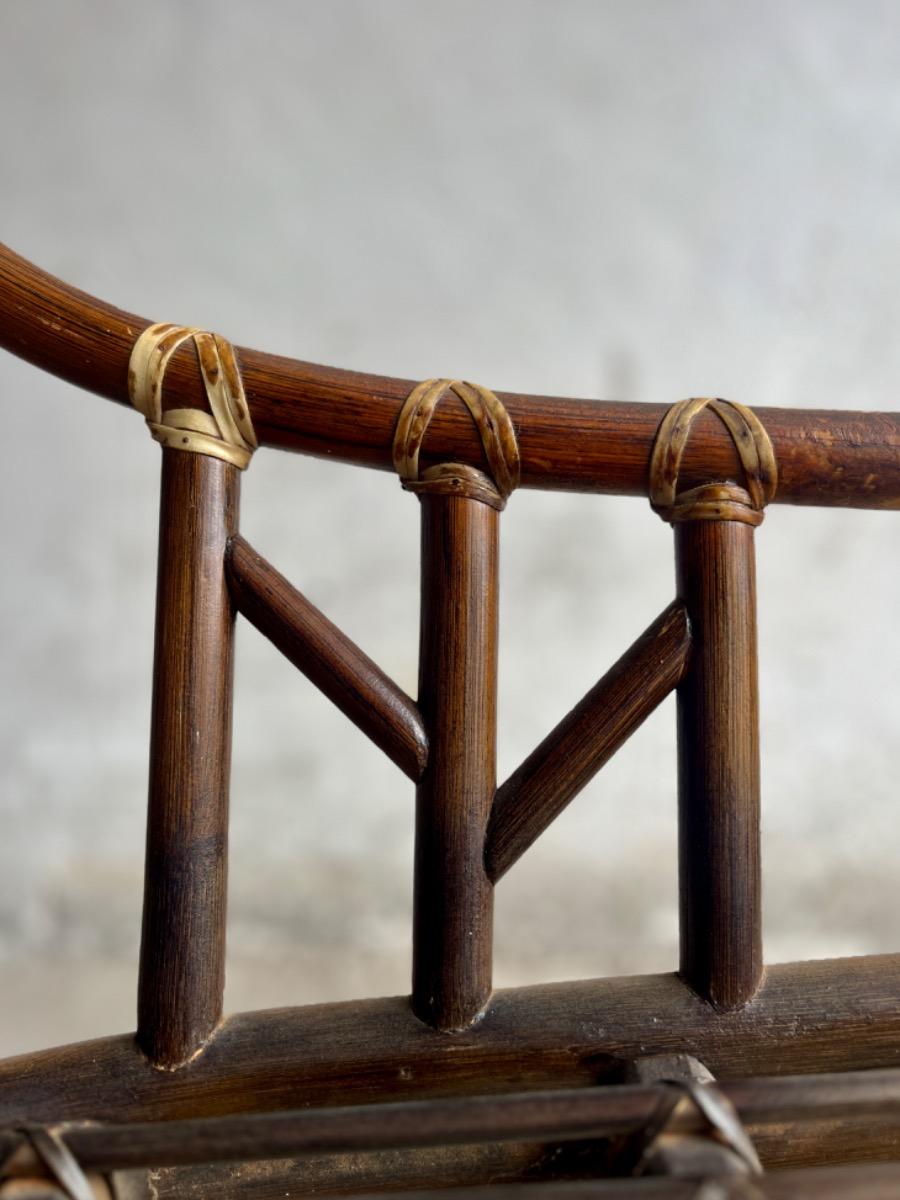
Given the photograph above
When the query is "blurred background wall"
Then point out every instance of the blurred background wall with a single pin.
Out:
(640, 200)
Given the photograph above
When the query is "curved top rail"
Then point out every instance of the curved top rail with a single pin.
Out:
(849, 459)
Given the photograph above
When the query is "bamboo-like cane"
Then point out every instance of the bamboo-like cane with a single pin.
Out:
(846, 458)
(767, 1105)
(328, 658)
(182, 964)
(586, 738)
(718, 773)
(453, 897)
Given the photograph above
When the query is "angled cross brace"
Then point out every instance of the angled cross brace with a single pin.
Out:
(571, 755)
(797, 1018)
(327, 657)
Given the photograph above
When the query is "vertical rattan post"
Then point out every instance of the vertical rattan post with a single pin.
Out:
(718, 768)
(453, 897)
(718, 703)
(182, 966)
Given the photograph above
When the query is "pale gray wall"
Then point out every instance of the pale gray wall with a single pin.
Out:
(638, 200)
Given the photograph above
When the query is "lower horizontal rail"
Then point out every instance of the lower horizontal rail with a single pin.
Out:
(879, 1181)
(547, 1170)
(560, 1116)
(875, 1182)
(833, 1015)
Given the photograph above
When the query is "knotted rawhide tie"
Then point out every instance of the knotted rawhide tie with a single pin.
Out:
(498, 437)
(226, 431)
(713, 501)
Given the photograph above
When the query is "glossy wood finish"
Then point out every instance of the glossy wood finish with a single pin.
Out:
(453, 897)
(182, 966)
(849, 458)
(572, 754)
(718, 764)
(327, 657)
(835, 1015)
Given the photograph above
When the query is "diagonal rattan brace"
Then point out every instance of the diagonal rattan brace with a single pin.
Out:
(226, 431)
(714, 501)
(496, 430)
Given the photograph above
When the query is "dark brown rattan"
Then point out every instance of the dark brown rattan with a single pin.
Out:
(459, 1085)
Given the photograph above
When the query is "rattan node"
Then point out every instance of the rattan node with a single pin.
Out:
(226, 431)
(723, 501)
(495, 428)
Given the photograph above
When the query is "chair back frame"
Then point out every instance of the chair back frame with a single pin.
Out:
(456, 1036)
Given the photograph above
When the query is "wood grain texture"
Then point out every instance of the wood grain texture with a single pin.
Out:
(767, 1107)
(182, 964)
(834, 1015)
(873, 1182)
(572, 754)
(844, 458)
(534, 1116)
(452, 896)
(327, 657)
(351, 1174)
(718, 764)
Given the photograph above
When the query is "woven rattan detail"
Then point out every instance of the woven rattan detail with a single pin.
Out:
(226, 431)
(722, 501)
(496, 430)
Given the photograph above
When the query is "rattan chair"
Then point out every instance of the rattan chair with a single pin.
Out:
(725, 1079)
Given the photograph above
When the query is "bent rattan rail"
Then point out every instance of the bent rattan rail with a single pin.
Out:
(573, 1088)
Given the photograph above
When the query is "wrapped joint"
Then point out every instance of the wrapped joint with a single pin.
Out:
(722, 1123)
(226, 431)
(457, 479)
(716, 501)
(496, 430)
